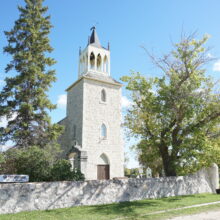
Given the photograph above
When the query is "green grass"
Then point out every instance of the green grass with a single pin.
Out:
(136, 210)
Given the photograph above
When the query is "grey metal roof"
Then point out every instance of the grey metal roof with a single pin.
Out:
(94, 39)
(101, 77)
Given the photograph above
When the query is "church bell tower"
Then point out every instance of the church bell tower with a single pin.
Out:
(94, 58)
(92, 139)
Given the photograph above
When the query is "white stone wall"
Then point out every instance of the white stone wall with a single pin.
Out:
(95, 113)
(87, 112)
(74, 117)
(63, 140)
(42, 196)
(75, 110)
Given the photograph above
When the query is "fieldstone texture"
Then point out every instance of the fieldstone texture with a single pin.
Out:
(50, 195)
(86, 113)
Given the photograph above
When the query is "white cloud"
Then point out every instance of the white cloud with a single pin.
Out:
(125, 102)
(62, 101)
(216, 66)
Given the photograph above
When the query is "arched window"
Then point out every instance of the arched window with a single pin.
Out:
(103, 160)
(105, 69)
(83, 64)
(103, 96)
(92, 61)
(99, 62)
(103, 131)
(74, 132)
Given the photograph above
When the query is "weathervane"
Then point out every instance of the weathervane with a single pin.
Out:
(94, 26)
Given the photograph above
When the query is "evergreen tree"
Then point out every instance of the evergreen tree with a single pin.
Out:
(24, 99)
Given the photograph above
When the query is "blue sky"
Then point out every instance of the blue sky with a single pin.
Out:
(126, 24)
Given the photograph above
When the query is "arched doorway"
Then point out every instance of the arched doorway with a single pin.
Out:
(103, 168)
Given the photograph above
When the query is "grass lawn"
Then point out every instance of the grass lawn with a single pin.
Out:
(128, 210)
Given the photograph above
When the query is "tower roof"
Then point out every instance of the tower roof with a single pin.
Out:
(94, 39)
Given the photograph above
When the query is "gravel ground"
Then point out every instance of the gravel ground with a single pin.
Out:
(210, 215)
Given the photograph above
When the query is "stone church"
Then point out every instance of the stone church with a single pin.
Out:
(92, 139)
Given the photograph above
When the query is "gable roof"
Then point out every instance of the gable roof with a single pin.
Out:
(97, 77)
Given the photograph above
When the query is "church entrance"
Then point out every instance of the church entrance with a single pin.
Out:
(103, 168)
(103, 172)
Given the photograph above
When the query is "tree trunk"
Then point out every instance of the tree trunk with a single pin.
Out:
(168, 163)
(169, 168)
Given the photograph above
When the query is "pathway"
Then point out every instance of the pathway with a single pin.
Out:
(209, 215)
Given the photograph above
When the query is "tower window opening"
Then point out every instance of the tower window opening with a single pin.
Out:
(99, 62)
(103, 131)
(92, 61)
(105, 64)
(74, 132)
(103, 96)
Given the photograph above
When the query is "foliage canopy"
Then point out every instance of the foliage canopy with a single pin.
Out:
(177, 116)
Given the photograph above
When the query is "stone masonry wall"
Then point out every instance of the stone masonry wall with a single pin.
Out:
(74, 118)
(50, 195)
(97, 113)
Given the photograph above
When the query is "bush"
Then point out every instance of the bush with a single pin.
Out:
(77, 175)
(38, 164)
(8, 161)
(62, 171)
(127, 172)
(34, 162)
(2, 162)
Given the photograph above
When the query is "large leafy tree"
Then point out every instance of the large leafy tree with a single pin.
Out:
(24, 99)
(179, 113)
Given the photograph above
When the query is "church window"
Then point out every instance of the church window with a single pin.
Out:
(92, 61)
(99, 62)
(74, 132)
(103, 131)
(83, 64)
(103, 96)
(105, 64)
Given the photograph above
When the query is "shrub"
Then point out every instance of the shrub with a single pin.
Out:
(62, 171)
(8, 161)
(127, 172)
(39, 164)
(77, 175)
(35, 163)
(2, 162)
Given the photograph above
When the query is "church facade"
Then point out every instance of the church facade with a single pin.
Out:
(92, 139)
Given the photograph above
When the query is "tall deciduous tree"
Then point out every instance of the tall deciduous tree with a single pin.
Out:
(24, 99)
(179, 113)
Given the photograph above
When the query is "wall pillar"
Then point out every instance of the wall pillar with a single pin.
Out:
(83, 162)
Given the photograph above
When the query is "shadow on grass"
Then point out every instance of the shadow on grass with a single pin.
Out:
(126, 209)
(117, 209)
(179, 198)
